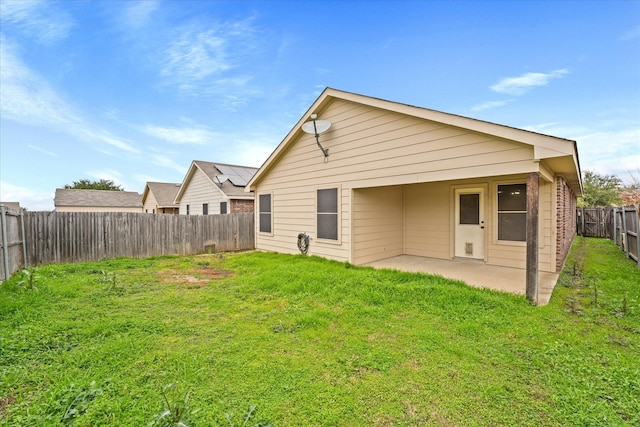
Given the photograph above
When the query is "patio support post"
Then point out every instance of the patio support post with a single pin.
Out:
(533, 202)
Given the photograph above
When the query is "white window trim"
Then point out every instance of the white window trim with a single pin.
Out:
(257, 205)
(338, 187)
(495, 216)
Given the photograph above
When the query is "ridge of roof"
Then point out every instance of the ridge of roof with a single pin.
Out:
(476, 125)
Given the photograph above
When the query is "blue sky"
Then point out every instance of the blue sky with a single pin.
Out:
(133, 91)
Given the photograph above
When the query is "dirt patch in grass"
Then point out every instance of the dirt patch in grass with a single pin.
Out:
(4, 402)
(199, 276)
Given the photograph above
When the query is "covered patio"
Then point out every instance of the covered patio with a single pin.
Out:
(474, 273)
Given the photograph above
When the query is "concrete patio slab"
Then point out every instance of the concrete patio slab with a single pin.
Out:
(474, 273)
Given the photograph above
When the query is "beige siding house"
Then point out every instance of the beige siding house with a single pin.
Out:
(403, 180)
(73, 200)
(159, 197)
(215, 188)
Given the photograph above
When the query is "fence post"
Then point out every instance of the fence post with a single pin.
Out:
(5, 244)
(625, 241)
(636, 217)
(23, 238)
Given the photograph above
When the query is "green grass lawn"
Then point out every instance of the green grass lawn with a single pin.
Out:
(303, 341)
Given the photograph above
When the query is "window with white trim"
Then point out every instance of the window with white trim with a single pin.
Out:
(264, 211)
(512, 212)
(205, 209)
(223, 208)
(327, 214)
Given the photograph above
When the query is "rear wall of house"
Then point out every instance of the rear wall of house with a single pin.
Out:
(377, 160)
(150, 203)
(201, 190)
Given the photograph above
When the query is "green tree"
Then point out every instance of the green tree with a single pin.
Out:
(600, 190)
(86, 184)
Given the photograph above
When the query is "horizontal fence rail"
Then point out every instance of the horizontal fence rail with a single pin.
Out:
(60, 237)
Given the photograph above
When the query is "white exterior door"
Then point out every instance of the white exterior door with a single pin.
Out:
(469, 223)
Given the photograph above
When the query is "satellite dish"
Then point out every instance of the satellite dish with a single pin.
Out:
(321, 126)
(221, 178)
(316, 127)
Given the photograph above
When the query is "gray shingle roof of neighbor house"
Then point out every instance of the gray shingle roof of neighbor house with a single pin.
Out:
(230, 179)
(107, 198)
(164, 192)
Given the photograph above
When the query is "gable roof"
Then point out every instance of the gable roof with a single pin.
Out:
(229, 179)
(106, 198)
(164, 192)
(560, 153)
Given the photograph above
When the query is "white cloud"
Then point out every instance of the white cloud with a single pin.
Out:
(198, 61)
(490, 104)
(42, 150)
(632, 34)
(37, 19)
(168, 161)
(614, 151)
(197, 136)
(27, 98)
(136, 14)
(111, 175)
(522, 84)
(28, 198)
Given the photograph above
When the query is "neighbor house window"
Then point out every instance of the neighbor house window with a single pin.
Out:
(264, 207)
(205, 209)
(223, 207)
(512, 212)
(187, 209)
(327, 213)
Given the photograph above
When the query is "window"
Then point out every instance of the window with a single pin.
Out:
(512, 212)
(223, 207)
(264, 206)
(205, 209)
(327, 226)
(187, 209)
(470, 208)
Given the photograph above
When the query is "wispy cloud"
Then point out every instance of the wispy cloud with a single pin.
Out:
(110, 175)
(167, 161)
(28, 198)
(198, 62)
(136, 14)
(27, 98)
(42, 150)
(197, 136)
(523, 84)
(606, 149)
(40, 20)
(490, 104)
(632, 34)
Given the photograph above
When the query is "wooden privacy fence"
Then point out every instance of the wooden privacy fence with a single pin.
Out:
(12, 244)
(618, 224)
(625, 230)
(57, 237)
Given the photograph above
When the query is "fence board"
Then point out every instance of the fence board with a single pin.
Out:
(55, 237)
(11, 242)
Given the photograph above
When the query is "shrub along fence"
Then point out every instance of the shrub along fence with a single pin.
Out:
(57, 237)
(618, 224)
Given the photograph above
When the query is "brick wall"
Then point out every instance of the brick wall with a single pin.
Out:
(241, 206)
(566, 220)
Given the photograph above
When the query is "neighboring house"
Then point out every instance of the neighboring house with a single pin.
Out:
(403, 180)
(215, 188)
(159, 197)
(73, 200)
